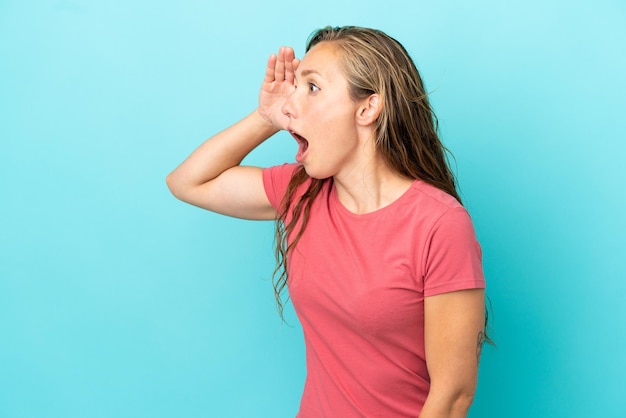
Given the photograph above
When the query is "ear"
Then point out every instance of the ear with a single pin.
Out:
(368, 111)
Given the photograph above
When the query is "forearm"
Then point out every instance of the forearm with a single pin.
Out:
(219, 153)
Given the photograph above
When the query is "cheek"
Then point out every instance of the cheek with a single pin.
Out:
(331, 121)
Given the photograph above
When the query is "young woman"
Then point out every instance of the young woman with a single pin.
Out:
(378, 254)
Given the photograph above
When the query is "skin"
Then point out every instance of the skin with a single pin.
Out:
(332, 137)
(340, 142)
(311, 99)
(453, 322)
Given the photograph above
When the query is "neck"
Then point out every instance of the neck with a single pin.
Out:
(370, 186)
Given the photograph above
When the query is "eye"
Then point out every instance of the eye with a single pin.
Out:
(313, 88)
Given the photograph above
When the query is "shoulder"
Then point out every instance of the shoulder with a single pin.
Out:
(439, 216)
(429, 205)
(279, 172)
(277, 181)
(432, 197)
(450, 255)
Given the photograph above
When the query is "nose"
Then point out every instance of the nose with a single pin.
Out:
(288, 107)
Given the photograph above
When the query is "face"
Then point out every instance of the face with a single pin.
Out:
(323, 115)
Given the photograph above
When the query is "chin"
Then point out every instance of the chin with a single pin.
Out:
(318, 175)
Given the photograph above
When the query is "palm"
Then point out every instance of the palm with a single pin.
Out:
(277, 84)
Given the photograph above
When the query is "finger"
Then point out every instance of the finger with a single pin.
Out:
(279, 69)
(269, 70)
(289, 54)
(289, 68)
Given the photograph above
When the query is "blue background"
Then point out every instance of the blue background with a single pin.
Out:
(116, 300)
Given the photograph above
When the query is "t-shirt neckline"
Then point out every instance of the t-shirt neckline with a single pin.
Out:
(369, 215)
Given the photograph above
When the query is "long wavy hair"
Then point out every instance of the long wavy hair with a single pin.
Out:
(406, 129)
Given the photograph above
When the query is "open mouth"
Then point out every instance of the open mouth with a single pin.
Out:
(303, 146)
(299, 138)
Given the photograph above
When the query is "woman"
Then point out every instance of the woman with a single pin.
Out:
(379, 256)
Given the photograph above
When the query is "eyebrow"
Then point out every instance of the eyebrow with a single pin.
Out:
(304, 73)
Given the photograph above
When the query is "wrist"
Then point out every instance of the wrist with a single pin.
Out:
(264, 123)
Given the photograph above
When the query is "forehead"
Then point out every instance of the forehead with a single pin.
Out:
(323, 59)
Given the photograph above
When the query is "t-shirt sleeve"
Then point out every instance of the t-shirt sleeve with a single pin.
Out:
(275, 180)
(453, 255)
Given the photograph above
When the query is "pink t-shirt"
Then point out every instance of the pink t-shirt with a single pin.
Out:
(358, 282)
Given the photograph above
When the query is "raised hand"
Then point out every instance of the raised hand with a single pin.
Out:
(277, 85)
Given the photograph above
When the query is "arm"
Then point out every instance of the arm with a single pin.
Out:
(454, 326)
(211, 176)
